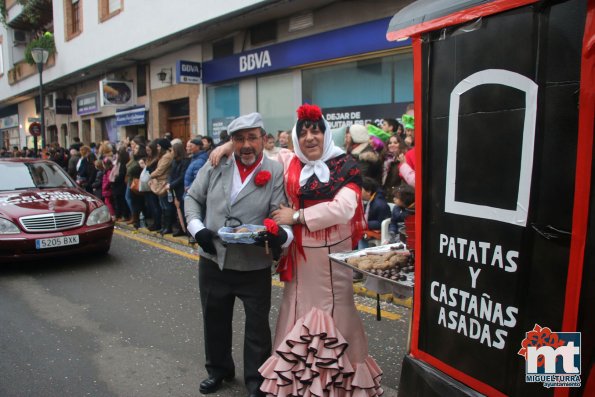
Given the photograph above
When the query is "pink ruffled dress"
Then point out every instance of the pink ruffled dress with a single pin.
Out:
(320, 346)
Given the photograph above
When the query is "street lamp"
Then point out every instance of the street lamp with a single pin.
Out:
(40, 56)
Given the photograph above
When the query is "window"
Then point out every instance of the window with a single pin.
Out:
(109, 8)
(141, 80)
(274, 104)
(76, 17)
(73, 18)
(365, 82)
(223, 105)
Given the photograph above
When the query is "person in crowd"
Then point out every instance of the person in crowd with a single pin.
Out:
(176, 185)
(270, 150)
(76, 144)
(323, 187)
(407, 161)
(223, 137)
(169, 136)
(97, 185)
(207, 144)
(376, 210)
(73, 162)
(404, 210)
(283, 139)
(158, 184)
(174, 141)
(106, 186)
(58, 155)
(4, 152)
(198, 158)
(105, 150)
(117, 179)
(246, 187)
(84, 176)
(390, 126)
(151, 200)
(134, 200)
(390, 166)
(369, 162)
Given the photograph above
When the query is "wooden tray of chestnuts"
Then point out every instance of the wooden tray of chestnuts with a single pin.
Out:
(392, 263)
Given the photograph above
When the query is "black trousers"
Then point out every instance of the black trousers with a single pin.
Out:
(218, 291)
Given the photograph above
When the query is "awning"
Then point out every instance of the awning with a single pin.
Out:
(426, 15)
(131, 116)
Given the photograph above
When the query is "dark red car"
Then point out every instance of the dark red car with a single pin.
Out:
(44, 213)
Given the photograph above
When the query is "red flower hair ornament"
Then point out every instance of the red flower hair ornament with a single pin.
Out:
(309, 112)
(262, 178)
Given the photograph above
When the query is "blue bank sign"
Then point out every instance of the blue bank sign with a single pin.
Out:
(188, 72)
(353, 40)
(131, 116)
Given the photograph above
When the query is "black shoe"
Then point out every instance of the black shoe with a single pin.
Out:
(178, 233)
(213, 383)
(154, 227)
(165, 231)
(191, 240)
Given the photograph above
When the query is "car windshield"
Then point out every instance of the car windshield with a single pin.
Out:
(23, 176)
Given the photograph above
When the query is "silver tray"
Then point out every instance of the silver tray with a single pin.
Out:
(374, 282)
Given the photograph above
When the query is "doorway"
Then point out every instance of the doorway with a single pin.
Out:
(178, 118)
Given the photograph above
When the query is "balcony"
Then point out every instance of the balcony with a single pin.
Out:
(33, 15)
(23, 70)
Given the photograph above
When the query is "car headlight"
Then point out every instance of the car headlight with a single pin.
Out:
(7, 227)
(99, 215)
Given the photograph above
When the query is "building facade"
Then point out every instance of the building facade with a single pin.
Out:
(128, 67)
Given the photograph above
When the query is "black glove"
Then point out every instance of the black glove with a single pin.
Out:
(204, 238)
(275, 242)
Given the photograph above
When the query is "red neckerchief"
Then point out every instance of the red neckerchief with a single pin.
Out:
(245, 171)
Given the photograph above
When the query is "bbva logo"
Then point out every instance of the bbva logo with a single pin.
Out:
(256, 60)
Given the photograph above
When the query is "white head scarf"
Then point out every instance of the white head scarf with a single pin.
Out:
(317, 167)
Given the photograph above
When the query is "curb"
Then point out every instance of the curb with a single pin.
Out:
(358, 288)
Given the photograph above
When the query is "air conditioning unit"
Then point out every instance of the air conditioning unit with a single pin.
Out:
(20, 37)
(50, 101)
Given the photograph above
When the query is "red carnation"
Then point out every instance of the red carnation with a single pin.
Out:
(271, 226)
(262, 178)
(309, 112)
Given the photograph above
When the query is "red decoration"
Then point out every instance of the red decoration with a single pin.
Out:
(539, 337)
(262, 178)
(271, 226)
(309, 112)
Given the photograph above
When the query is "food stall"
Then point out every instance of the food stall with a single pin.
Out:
(504, 266)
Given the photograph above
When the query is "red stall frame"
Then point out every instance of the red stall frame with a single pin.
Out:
(582, 178)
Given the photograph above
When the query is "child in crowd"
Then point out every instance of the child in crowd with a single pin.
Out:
(404, 210)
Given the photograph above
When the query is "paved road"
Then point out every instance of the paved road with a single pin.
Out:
(128, 324)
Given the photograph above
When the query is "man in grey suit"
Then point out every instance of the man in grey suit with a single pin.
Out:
(234, 191)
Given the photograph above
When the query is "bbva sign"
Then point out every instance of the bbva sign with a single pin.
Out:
(256, 60)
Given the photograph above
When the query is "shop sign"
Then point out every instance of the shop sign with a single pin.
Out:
(368, 114)
(353, 40)
(9, 122)
(116, 93)
(134, 116)
(87, 104)
(188, 72)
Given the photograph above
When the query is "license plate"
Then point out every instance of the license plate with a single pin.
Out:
(56, 242)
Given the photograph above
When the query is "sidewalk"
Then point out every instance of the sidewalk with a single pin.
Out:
(358, 287)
